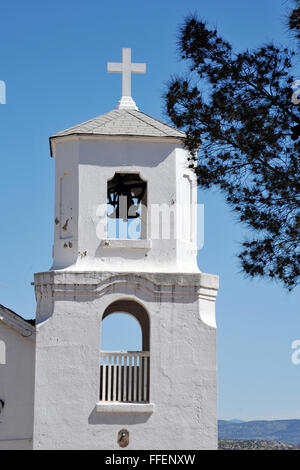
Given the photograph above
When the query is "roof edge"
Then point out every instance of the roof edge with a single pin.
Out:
(15, 321)
(169, 138)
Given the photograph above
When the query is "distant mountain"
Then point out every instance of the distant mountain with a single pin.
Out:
(235, 444)
(287, 430)
(236, 421)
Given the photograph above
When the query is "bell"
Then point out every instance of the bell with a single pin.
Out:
(122, 190)
(125, 209)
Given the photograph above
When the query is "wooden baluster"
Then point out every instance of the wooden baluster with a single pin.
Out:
(145, 378)
(114, 371)
(130, 379)
(135, 377)
(125, 380)
(119, 377)
(140, 396)
(109, 378)
(103, 377)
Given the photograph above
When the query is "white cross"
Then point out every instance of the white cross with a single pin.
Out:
(126, 68)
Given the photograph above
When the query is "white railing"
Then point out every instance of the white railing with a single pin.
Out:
(124, 376)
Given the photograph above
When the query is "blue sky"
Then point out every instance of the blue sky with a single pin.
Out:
(53, 60)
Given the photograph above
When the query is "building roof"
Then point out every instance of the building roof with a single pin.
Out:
(12, 319)
(123, 122)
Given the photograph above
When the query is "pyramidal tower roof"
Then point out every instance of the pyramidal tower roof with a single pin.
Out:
(126, 119)
(123, 122)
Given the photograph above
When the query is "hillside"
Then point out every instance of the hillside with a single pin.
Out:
(287, 431)
(236, 444)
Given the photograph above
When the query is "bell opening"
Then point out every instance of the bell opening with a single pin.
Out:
(126, 206)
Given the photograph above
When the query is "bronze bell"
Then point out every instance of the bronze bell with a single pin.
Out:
(124, 193)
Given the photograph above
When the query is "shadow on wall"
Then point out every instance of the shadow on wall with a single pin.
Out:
(133, 153)
(117, 418)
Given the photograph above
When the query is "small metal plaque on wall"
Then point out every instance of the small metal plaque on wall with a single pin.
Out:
(123, 438)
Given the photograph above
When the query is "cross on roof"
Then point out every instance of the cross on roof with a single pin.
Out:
(126, 68)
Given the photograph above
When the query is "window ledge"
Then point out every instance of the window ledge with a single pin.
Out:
(127, 243)
(115, 407)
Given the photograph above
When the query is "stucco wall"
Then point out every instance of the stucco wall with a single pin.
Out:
(90, 272)
(16, 390)
(182, 357)
(87, 165)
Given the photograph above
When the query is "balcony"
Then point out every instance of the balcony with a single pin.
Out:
(124, 377)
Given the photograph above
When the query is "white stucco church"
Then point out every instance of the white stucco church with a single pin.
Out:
(124, 241)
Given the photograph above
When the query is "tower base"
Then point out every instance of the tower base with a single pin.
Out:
(181, 410)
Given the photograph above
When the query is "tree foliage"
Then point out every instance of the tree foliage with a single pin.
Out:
(241, 131)
(294, 20)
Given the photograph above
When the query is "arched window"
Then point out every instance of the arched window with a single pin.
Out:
(124, 374)
(2, 352)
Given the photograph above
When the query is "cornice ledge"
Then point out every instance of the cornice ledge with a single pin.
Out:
(158, 285)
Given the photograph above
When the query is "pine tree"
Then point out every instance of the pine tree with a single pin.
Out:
(294, 20)
(242, 131)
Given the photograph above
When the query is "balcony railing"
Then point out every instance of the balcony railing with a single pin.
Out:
(124, 376)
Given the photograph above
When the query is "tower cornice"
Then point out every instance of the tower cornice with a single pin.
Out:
(159, 286)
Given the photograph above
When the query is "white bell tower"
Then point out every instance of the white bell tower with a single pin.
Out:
(125, 241)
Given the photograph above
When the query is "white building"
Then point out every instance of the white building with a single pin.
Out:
(17, 358)
(126, 164)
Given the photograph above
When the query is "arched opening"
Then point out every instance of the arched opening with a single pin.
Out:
(121, 332)
(126, 206)
(125, 372)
